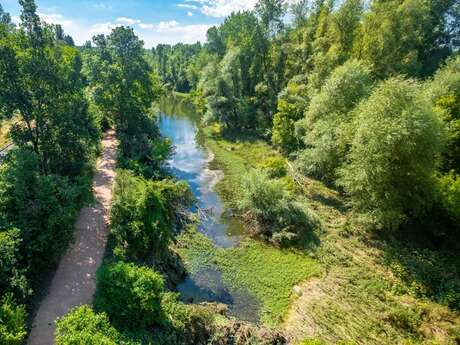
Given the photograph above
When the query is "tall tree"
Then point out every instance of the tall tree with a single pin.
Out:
(44, 88)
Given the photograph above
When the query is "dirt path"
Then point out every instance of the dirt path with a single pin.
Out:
(74, 282)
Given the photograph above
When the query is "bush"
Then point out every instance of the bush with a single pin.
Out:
(130, 295)
(84, 327)
(12, 277)
(272, 210)
(144, 214)
(42, 207)
(444, 91)
(292, 102)
(449, 192)
(394, 154)
(12, 322)
(275, 167)
(328, 120)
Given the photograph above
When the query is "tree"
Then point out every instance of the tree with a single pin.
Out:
(44, 88)
(122, 87)
(444, 91)
(145, 214)
(328, 121)
(83, 326)
(271, 13)
(292, 103)
(395, 151)
(407, 36)
(130, 295)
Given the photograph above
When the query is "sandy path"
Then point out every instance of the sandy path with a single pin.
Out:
(74, 281)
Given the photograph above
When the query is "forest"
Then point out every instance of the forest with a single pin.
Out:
(336, 126)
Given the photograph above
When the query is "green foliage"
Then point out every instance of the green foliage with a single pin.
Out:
(12, 276)
(426, 273)
(144, 215)
(179, 65)
(44, 88)
(130, 295)
(275, 167)
(449, 194)
(122, 86)
(12, 322)
(444, 91)
(272, 210)
(328, 120)
(292, 103)
(43, 207)
(394, 154)
(267, 272)
(84, 327)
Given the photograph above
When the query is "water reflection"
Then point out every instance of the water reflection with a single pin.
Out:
(190, 162)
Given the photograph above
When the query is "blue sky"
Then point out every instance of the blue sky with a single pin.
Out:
(155, 21)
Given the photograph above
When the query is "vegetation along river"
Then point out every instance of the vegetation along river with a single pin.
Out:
(190, 162)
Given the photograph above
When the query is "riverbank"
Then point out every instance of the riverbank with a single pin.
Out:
(368, 289)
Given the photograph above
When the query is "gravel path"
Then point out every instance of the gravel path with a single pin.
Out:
(74, 281)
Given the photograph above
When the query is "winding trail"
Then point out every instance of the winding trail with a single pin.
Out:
(74, 281)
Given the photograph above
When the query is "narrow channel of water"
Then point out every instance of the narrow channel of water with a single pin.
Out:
(190, 162)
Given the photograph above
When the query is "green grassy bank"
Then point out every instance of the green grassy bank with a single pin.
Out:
(356, 286)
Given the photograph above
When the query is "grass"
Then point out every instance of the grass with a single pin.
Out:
(360, 288)
(4, 133)
(266, 272)
(234, 157)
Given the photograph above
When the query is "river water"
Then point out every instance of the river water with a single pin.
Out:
(190, 162)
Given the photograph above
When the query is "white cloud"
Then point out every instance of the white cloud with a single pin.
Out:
(146, 26)
(165, 26)
(167, 32)
(192, 7)
(170, 32)
(101, 28)
(101, 6)
(190, 14)
(220, 8)
(128, 21)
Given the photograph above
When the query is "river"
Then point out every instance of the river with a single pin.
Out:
(190, 162)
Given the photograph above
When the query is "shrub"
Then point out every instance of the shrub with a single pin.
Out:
(84, 327)
(144, 214)
(12, 322)
(449, 191)
(11, 275)
(275, 167)
(292, 102)
(272, 210)
(394, 154)
(130, 295)
(328, 120)
(43, 207)
(444, 91)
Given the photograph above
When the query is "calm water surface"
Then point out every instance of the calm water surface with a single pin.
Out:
(190, 162)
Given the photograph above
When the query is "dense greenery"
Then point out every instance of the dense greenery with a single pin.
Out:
(145, 215)
(45, 178)
(394, 154)
(272, 209)
(363, 97)
(315, 84)
(179, 66)
(130, 295)
(123, 87)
